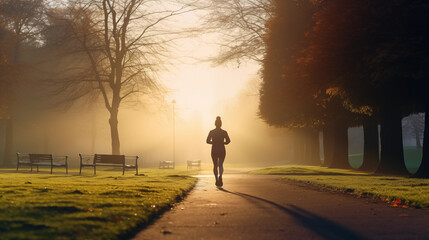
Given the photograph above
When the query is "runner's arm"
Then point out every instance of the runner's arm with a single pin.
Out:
(209, 138)
(227, 140)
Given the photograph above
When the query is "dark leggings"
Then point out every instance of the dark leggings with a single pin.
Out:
(218, 157)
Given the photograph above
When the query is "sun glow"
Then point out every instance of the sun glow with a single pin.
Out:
(206, 91)
(200, 89)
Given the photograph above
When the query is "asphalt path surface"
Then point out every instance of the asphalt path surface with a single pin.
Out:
(265, 207)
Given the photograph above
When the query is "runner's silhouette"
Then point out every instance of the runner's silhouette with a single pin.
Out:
(218, 138)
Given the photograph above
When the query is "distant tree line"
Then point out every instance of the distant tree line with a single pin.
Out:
(21, 24)
(330, 65)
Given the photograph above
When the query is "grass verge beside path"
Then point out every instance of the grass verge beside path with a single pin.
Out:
(105, 206)
(398, 191)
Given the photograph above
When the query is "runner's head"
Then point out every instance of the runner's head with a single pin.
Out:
(218, 122)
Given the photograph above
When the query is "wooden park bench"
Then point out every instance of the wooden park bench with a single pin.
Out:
(194, 163)
(38, 160)
(166, 165)
(108, 160)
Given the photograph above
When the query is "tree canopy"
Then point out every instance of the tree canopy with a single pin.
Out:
(352, 63)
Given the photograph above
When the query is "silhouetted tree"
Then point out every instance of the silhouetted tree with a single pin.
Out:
(371, 150)
(292, 94)
(398, 46)
(285, 100)
(374, 51)
(329, 60)
(122, 46)
(241, 26)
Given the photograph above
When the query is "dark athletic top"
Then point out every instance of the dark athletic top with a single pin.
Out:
(218, 138)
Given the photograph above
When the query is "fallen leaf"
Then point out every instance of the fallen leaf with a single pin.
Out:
(165, 231)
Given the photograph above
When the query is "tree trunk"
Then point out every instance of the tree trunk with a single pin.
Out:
(299, 147)
(370, 146)
(46, 140)
(312, 153)
(114, 132)
(423, 171)
(93, 132)
(340, 157)
(418, 143)
(8, 155)
(328, 145)
(392, 151)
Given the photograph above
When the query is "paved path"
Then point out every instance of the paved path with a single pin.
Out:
(264, 207)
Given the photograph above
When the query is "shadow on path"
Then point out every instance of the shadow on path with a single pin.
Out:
(319, 225)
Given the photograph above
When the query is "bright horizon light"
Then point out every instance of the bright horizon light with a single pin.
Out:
(205, 90)
(198, 87)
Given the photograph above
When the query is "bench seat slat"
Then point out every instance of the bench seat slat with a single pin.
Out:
(38, 160)
(107, 160)
(194, 163)
(107, 165)
(42, 164)
(24, 162)
(59, 164)
(113, 159)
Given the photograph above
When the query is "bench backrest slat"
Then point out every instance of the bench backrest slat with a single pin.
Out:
(37, 157)
(107, 158)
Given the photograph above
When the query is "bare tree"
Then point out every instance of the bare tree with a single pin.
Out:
(415, 125)
(241, 24)
(122, 45)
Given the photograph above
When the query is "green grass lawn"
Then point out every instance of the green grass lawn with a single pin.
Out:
(105, 206)
(399, 191)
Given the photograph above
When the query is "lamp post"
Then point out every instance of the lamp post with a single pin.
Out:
(174, 134)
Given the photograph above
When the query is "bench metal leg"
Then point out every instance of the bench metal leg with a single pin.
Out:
(17, 165)
(80, 170)
(51, 168)
(123, 170)
(67, 169)
(95, 171)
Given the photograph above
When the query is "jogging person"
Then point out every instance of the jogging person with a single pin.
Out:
(218, 138)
